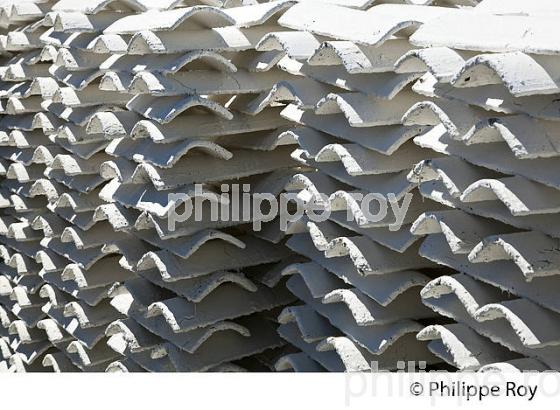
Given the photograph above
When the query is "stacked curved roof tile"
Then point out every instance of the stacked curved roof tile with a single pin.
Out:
(114, 112)
(26, 152)
(491, 108)
(141, 100)
(361, 282)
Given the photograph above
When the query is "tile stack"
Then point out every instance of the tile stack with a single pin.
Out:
(491, 88)
(423, 140)
(25, 153)
(170, 86)
(142, 101)
(202, 300)
(360, 284)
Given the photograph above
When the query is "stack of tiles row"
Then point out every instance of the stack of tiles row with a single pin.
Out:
(147, 99)
(25, 154)
(116, 111)
(200, 300)
(360, 284)
(491, 78)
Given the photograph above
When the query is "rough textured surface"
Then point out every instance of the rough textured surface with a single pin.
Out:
(448, 107)
(97, 132)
